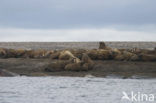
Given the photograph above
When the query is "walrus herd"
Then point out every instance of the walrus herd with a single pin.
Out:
(71, 63)
(81, 59)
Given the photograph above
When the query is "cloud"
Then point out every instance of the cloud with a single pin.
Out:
(102, 34)
(54, 14)
(77, 20)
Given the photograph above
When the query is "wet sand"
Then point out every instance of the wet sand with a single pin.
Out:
(35, 67)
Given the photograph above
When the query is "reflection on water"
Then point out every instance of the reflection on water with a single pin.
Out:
(70, 89)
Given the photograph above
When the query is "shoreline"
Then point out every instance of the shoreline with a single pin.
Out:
(30, 59)
(75, 45)
(110, 68)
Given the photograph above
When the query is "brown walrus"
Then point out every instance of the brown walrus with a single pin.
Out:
(73, 67)
(102, 45)
(84, 65)
(35, 53)
(99, 54)
(147, 57)
(78, 52)
(58, 65)
(66, 55)
(128, 56)
(87, 62)
(3, 52)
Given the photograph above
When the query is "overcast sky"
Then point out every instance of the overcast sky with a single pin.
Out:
(77, 20)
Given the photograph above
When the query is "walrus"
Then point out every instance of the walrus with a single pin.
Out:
(99, 54)
(147, 57)
(29, 54)
(114, 52)
(84, 65)
(59, 65)
(102, 45)
(66, 55)
(74, 67)
(2, 52)
(39, 53)
(48, 53)
(128, 56)
(35, 53)
(19, 53)
(14, 53)
(142, 51)
(10, 53)
(78, 67)
(78, 52)
(86, 59)
(87, 62)
(55, 55)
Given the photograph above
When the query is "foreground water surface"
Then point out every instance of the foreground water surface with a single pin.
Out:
(72, 89)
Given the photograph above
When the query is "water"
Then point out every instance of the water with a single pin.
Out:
(71, 89)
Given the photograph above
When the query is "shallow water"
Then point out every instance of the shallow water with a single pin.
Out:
(72, 89)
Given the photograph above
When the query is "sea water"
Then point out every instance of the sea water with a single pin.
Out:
(74, 90)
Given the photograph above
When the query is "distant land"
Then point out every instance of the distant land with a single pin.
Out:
(75, 45)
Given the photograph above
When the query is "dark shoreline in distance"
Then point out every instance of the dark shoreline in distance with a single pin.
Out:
(73, 45)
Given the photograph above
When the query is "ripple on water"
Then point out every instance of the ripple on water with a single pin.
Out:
(70, 89)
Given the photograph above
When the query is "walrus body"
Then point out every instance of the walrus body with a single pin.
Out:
(99, 54)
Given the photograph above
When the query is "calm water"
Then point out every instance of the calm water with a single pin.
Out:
(71, 89)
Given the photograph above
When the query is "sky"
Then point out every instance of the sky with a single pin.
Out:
(77, 20)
